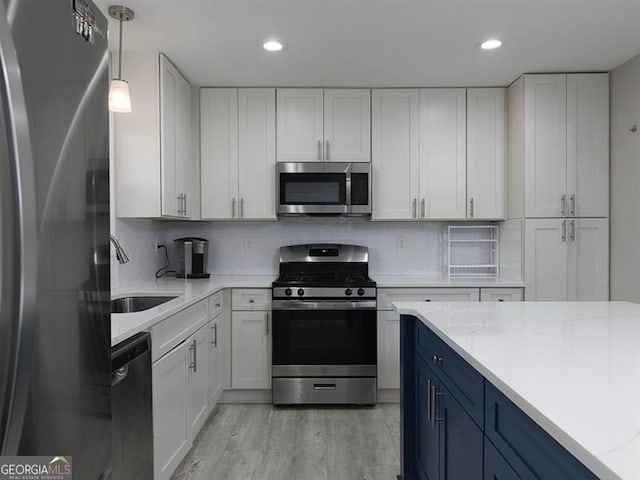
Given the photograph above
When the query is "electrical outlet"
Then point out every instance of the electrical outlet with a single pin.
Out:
(402, 244)
(249, 245)
(156, 243)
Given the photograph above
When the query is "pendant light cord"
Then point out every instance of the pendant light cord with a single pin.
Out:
(120, 45)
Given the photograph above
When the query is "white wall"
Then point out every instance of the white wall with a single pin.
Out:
(625, 182)
(252, 247)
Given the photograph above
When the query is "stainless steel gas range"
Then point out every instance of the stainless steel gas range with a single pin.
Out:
(324, 326)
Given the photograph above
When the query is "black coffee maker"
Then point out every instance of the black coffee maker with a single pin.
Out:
(193, 253)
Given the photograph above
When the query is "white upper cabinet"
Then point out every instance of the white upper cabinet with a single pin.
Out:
(486, 153)
(347, 125)
(588, 144)
(237, 138)
(566, 145)
(300, 124)
(545, 145)
(219, 151)
(256, 153)
(154, 167)
(395, 120)
(443, 153)
(316, 125)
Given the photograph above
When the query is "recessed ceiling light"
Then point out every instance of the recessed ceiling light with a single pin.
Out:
(272, 46)
(491, 44)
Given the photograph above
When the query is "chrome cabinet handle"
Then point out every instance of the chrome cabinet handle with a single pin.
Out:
(432, 405)
(572, 230)
(241, 214)
(192, 354)
(233, 207)
(471, 208)
(564, 231)
(186, 208)
(266, 323)
(218, 305)
(179, 204)
(437, 360)
(422, 207)
(429, 400)
(414, 208)
(319, 151)
(119, 375)
(326, 152)
(214, 329)
(573, 205)
(563, 205)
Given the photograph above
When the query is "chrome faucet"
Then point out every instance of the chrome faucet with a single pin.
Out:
(120, 253)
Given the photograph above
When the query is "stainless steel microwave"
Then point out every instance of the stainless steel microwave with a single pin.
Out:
(323, 188)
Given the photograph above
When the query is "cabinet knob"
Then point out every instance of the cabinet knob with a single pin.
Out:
(217, 305)
(437, 360)
(251, 300)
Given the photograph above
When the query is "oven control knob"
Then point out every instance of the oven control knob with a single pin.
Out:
(287, 292)
(361, 291)
(300, 292)
(348, 292)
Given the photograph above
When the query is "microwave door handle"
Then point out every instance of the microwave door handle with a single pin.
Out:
(348, 189)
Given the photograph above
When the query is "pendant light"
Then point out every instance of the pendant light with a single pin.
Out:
(119, 99)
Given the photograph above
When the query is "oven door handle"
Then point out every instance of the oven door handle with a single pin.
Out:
(323, 305)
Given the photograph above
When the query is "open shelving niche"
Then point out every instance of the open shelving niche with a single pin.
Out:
(474, 251)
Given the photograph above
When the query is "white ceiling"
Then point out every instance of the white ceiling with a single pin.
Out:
(381, 43)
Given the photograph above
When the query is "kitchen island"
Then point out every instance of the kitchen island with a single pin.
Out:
(520, 390)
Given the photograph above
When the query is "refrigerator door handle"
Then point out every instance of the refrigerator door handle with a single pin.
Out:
(14, 113)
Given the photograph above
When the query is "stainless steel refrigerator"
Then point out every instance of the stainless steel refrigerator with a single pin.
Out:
(54, 233)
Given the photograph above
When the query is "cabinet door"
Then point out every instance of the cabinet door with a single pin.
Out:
(185, 168)
(427, 433)
(251, 350)
(545, 100)
(443, 181)
(199, 344)
(588, 258)
(169, 81)
(219, 152)
(461, 454)
(394, 138)
(588, 145)
(256, 153)
(388, 349)
(300, 125)
(495, 466)
(347, 125)
(486, 153)
(171, 439)
(215, 361)
(546, 259)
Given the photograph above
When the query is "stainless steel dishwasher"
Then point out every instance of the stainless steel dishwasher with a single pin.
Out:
(131, 404)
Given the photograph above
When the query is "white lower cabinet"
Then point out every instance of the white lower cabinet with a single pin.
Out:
(171, 398)
(251, 350)
(388, 349)
(567, 259)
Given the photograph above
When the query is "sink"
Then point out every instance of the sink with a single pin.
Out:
(137, 304)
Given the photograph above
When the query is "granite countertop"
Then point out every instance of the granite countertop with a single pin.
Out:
(125, 325)
(573, 367)
(440, 280)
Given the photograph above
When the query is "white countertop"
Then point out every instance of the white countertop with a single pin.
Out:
(437, 280)
(573, 367)
(125, 325)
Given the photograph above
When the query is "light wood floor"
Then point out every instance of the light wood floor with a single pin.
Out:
(262, 442)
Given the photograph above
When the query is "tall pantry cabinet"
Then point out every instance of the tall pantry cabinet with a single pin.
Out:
(559, 171)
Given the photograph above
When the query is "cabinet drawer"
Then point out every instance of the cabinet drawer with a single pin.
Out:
(251, 299)
(173, 330)
(386, 296)
(495, 466)
(531, 451)
(501, 295)
(466, 384)
(216, 304)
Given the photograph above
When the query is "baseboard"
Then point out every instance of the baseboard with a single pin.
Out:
(246, 396)
(387, 395)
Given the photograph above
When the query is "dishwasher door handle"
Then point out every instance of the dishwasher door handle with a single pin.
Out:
(119, 375)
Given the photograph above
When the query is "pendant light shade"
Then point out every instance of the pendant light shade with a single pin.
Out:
(119, 98)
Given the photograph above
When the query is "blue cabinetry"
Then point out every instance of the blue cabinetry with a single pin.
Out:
(456, 425)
